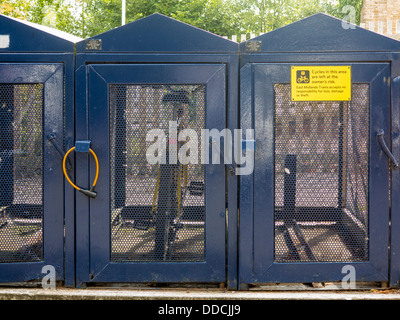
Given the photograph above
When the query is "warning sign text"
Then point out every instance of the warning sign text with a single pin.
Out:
(321, 83)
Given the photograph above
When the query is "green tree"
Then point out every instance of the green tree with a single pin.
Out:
(14, 8)
(260, 16)
(52, 13)
(98, 16)
(356, 4)
(86, 18)
(211, 15)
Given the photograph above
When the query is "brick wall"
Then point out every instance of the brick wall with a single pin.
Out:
(382, 16)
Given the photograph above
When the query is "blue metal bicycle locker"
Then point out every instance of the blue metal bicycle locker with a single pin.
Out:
(116, 163)
(323, 99)
(36, 112)
(147, 221)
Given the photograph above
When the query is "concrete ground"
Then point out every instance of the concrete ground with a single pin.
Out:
(16, 293)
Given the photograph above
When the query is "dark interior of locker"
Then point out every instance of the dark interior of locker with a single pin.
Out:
(321, 178)
(21, 172)
(157, 210)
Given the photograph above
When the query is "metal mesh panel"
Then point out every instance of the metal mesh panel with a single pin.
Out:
(157, 210)
(321, 178)
(21, 168)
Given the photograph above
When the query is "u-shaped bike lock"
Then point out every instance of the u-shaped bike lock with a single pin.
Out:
(88, 192)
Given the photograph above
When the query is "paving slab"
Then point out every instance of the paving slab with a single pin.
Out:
(190, 294)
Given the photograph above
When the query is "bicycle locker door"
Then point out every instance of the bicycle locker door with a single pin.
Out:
(320, 191)
(160, 222)
(31, 193)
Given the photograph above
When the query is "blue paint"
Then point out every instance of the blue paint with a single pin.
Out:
(31, 54)
(155, 50)
(82, 146)
(316, 40)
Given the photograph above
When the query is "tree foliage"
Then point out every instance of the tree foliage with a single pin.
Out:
(86, 18)
(356, 4)
(14, 8)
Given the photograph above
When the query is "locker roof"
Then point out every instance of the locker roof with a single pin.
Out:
(22, 36)
(157, 33)
(319, 33)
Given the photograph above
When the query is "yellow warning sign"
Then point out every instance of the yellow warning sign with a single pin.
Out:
(321, 83)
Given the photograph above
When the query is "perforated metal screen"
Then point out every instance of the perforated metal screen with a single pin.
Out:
(157, 210)
(21, 172)
(321, 178)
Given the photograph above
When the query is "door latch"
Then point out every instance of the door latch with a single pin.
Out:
(380, 135)
(231, 167)
(52, 137)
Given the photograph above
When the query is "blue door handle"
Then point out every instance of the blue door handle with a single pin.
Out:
(231, 167)
(52, 137)
(380, 133)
